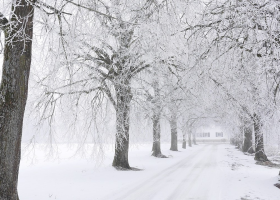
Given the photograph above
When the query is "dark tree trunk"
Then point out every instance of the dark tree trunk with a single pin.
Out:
(156, 137)
(239, 138)
(174, 139)
(236, 140)
(194, 139)
(123, 95)
(184, 144)
(259, 145)
(231, 141)
(156, 122)
(247, 144)
(190, 139)
(13, 95)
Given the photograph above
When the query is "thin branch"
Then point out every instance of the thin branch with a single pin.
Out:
(139, 69)
(244, 108)
(109, 94)
(74, 92)
(39, 4)
(73, 83)
(200, 26)
(103, 55)
(90, 9)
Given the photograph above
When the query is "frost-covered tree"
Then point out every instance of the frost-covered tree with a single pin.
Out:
(249, 32)
(107, 48)
(153, 104)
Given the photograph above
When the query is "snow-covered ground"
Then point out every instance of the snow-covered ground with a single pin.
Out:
(205, 171)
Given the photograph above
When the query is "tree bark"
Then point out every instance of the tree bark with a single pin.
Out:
(123, 95)
(259, 145)
(190, 139)
(194, 139)
(184, 144)
(156, 137)
(239, 138)
(156, 121)
(174, 139)
(13, 95)
(247, 144)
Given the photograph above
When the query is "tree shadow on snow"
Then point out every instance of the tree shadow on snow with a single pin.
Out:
(128, 169)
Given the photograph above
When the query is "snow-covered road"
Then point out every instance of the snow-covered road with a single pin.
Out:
(194, 177)
(202, 172)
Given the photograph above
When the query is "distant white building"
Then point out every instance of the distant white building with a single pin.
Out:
(211, 133)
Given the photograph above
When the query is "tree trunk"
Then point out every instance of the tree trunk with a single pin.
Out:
(232, 141)
(174, 140)
(260, 154)
(13, 95)
(123, 95)
(247, 144)
(184, 144)
(190, 139)
(156, 121)
(156, 137)
(239, 138)
(194, 139)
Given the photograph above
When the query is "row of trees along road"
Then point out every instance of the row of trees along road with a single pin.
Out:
(191, 61)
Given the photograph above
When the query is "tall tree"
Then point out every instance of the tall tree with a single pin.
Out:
(247, 33)
(18, 31)
(103, 64)
(156, 117)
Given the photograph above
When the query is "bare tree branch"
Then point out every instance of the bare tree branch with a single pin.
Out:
(200, 26)
(139, 69)
(90, 9)
(244, 108)
(109, 94)
(39, 4)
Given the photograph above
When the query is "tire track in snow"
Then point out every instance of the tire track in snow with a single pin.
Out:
(192, 187)
(177, 181)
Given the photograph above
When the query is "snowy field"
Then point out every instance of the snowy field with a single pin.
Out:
(205, 171)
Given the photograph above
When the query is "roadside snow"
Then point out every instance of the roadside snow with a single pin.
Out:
(244, 179)
(217, 172)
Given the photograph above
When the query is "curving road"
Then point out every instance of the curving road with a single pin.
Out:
(193, 178)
